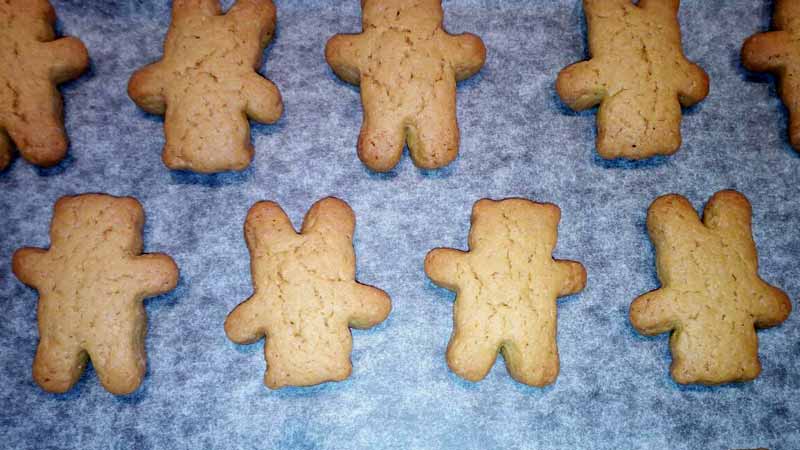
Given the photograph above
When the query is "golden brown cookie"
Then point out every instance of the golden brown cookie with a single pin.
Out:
(711, 296)
(91, 284)
(32, 63)
(407, 66)
(207, 86)
(638, 75)
(306, 296)
(507, 285)
(778, 52)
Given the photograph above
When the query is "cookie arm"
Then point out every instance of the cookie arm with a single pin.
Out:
(30, 266)
(766, 52)
(466, 52)
(67, 58)
(651, 313)
(147, 88)
(580, 85)
(572, 276)
(772, 306)
(441, 265)
(264, 103)
(692, 84)
(343, 53)
(155, 274)
(368, 306)
(244, 325)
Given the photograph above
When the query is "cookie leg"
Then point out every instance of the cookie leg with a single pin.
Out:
(57, 366)
(532, 361)
(119, 366)
(5, 150)
(41, 138)
(433, 137)
(381, 141)
(471, 355)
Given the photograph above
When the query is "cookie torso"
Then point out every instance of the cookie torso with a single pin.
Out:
(407, 67)
(639, 76)
(711, 295)
(207, 82)
(91, 284)
(507, 286)
(306, 296)
(32, 63)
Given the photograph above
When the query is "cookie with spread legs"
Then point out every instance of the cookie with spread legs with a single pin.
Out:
(407, 66)
(507, 285)
(33, 63)
(306, 297)
(91, 282)
(778, 52)
(206, 84)
(711, 297)
(638, 75)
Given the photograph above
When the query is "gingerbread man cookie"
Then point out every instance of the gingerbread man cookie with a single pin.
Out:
(779, 52)
(32, 63)
(507, 285)
(638, 75)
(407, 66)
(306, 296)
(91, 284)
(712, 297)
(207, 86)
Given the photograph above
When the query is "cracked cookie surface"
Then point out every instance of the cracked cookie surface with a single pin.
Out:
(407, 66)
(32, 63)
(778, 52)
(712, 297)
(305, 295)
(206, 84)
(638, 75)
(91, 282)
(507, 285)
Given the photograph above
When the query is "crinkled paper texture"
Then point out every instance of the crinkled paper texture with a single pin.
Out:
(517, 139)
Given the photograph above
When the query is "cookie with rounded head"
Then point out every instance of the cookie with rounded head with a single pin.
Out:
(711, 297)
(507, 285)
(92, 282)
(305, 295)
(407, 66)
(34, 62)
(638, 75)
(778, 52)
(206, 84)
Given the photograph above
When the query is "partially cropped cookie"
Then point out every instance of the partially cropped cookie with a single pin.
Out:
(32, 63)
(207, 86)
(638, 75)
(778, 52)
(711, 297)
(407, 66)
(507, 285)
(91, 284)
(306, 297)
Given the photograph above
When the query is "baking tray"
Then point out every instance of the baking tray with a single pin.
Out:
(517, 139)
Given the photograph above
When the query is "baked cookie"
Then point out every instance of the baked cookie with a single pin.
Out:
(91, 284)
(207, 86)
(779, 52)
(407, 67)
(507, 285)
(306, 296)
(711, 298)
(638, 75)
(32, 63)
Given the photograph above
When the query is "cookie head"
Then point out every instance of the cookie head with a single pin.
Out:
(423, 14)
(101, 218)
